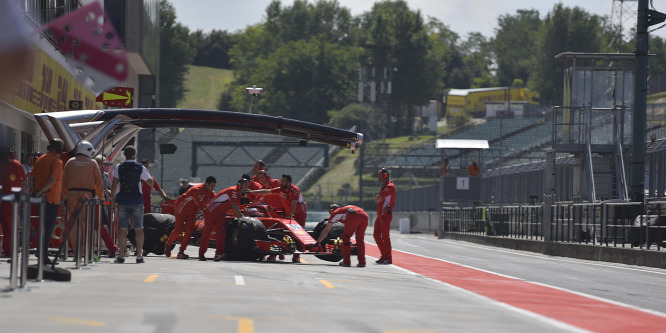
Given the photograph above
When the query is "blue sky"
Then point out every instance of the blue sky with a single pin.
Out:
(462, 16)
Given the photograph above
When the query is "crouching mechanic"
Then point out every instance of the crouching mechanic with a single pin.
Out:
(356, 221)
(187, 207)
(216, 215)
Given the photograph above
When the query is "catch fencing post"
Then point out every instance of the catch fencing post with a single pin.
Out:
(40, 239)
(13, 270)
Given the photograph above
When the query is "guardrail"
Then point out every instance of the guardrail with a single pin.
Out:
(617, 224)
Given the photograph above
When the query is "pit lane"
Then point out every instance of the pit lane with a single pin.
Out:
(171, 295)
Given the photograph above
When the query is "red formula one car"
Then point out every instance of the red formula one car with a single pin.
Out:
(266, 232)
(263, 231)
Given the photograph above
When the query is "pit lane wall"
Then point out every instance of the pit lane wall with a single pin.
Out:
(427, 223)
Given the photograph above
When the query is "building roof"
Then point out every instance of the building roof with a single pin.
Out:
(461, 144)
(465, 92)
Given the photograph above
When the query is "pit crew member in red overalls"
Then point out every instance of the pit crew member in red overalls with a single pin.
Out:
(14, 176)
(187, 207)
(272, 200)
(356, 221)
(292, 201)
(259, 165)
(385, 203)
(215, 215)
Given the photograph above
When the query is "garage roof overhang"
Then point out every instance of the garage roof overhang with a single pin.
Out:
(96, 125)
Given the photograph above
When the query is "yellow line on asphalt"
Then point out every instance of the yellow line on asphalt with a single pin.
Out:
(152, 278)
(245, 325)
(304, 261)
(327, 284)
(78, 321)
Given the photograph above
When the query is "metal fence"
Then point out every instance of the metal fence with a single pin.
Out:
(618, 224)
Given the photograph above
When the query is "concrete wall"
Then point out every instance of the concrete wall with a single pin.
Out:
(427, 222)
(420, 222)
(629, 256)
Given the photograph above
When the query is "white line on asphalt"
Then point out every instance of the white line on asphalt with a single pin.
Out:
(537, 283)
(536, 316)
(656, 313)
(239, 280)
(455, 263)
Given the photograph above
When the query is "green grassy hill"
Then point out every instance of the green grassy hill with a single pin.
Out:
(204, 87)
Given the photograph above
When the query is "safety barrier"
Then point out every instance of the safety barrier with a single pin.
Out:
(88, 241)
(617, 224)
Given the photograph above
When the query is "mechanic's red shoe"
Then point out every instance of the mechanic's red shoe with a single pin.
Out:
(386, 262)
(360, 265)
(167, 249)
(296, 258)
(344, 264)
(182, 255)
(380, 261)
(218, 257)
(202, 257)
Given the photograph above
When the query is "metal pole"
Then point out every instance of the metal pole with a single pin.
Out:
(65, 238)
(360, 175)
(25, 244)
(79, 231)
(162, 167)
(640, 101)
(40, 240)
(100, 208)
(86, 235)
(13, 278)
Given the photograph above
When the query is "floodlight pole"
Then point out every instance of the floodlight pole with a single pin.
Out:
(646, 18)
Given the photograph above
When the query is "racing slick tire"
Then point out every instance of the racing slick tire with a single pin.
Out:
(156, 230)
(240, 237)
(336, 231)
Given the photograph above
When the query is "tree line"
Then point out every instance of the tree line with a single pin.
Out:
(308, 56)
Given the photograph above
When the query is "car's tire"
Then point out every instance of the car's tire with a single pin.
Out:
(240, 237)
(336, 231)
(156, 229)
(335, 257)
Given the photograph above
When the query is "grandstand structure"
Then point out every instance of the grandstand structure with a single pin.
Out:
(584, 144)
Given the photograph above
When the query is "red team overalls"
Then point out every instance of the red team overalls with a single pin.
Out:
(215, 215)
(287, 196)
(356, 221)
(382, 229)
(187, 207)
